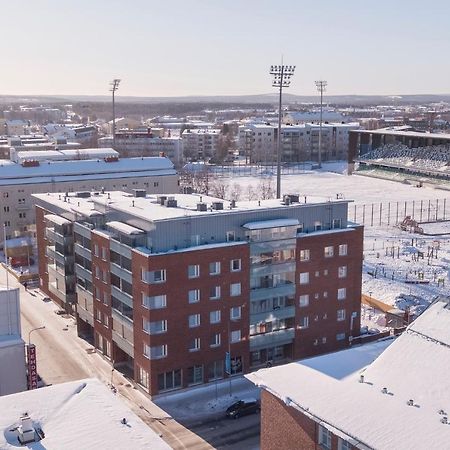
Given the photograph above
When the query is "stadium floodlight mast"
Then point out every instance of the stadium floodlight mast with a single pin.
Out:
(281, 78)
(321, 87)
(114, 86)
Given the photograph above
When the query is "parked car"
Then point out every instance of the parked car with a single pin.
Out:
(242, 408)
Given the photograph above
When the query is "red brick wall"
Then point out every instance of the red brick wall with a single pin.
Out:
(322, 311)
(283, 427)
(178, 309)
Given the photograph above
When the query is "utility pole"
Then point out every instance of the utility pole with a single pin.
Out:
(321, 87)
(281, 78)
(114, 86)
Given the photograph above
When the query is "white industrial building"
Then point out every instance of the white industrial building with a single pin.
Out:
(12, 347)
(19, 181)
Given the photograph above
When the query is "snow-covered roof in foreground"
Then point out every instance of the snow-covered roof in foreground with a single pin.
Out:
(77, 415)
(415, 367)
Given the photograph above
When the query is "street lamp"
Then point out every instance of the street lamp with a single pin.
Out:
(321, 87)
(34, 329)
(114, 86)
(281, 78)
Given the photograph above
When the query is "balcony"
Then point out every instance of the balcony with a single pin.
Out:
(119, 248)
(85, 315)
(268, 316)
(83, 273)
(53, 236)
(122, 296)
(273, 339)
(269, 292)
(263, 270)
(82, 251)
(121, 273)
(62, 259)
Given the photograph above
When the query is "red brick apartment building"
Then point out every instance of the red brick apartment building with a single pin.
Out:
(180, 290)
(384, 395)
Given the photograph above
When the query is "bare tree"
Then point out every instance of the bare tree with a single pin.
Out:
(235, 192)
(266, 189)
(251, 194)
(218, 188)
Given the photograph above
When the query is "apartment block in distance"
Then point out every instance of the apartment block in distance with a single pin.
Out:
(167, 286)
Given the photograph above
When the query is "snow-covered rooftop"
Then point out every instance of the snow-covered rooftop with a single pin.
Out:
(58, 171)
(149, 209)
(77, 415)
(414, 367)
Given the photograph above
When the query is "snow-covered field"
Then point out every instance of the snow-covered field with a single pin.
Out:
(390, 254)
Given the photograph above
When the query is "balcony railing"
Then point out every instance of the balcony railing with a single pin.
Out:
(272, 339)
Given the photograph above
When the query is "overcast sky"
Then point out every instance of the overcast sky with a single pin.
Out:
(212, 47)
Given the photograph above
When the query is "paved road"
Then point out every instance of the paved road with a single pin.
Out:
(62, 356)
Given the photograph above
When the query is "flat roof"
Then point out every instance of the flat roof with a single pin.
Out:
(413, 367)
(77, 415)
(149, 209)
(416, 134)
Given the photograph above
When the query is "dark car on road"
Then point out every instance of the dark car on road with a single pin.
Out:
(242, 408)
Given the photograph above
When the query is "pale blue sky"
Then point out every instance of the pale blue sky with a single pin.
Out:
(208, 47)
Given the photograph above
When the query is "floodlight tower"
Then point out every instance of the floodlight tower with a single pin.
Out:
(114, 86)
(281, 78)
(321, 87)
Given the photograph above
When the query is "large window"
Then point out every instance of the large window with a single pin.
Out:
(154, 276)
(342, 272)
(340, 315)
(215, 370)
(235, 313)
(194, 295)
(304, 300)
(342, 293)
(235, 265)
(169, 380)
(304, 322)
(143, 377)
(328, 252)
(215, 340)
(195, 375)
(304, 277)
(235, 336)
(344, 445)
(305, 255)
(157, 327)
(214, 316)
(194, 345)
(214, 268)
(235, 289)
(158, 352)
(343, 249)
(214, 292)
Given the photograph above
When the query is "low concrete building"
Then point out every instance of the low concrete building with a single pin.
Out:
(12, 347)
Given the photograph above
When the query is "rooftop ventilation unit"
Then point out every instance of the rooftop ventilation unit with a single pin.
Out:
(217, 205)
(286, 200)
(187, 190)
(171, 202)
(139, 192)
(26, 431)
(201, 207)
(83, 194)
(293, 197)
(161, 199)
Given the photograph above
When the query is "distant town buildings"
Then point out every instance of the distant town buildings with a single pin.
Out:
(181, 289)
(257, 142)
(67, 171)
(199, 144)
(12, 347)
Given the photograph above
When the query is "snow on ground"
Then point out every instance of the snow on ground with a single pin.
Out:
(391, 276)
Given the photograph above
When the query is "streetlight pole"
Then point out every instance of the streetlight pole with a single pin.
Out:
(281, 78)
(34, 329)
(6, 258)
(114, 86)
(321, 87)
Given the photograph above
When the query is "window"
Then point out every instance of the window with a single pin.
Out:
(194, 271)
(325, 272)
(214, 268)
(169, 380)
(340, 336)
(154, 302)
(215, 340)
(215, 370)
(5, 195)
(304, 322)
(305, 255)
(143, 377)
(231, 236)
(235, 289)
(342, 271)
(337, 223)
(194, 345)
(195, 375)
(98, 315)
(324, 438)
(304, 278)
(158, 352)
(194, 295)
(235, 313)
(96, 252)
(214, 292)
(328, 252)
(6, 208)
(342, 293)
(157, 327)
(104, 253)
(194, 320)
(214, 316)
(22, 215)
(7, 223)
(154, 277)
(340, 315)
(317, 225)
(235, 265)
(235, 336)
(344, 445)
(304, 300)
(343, 248)
(325, 294)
